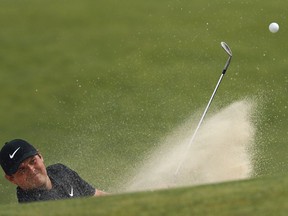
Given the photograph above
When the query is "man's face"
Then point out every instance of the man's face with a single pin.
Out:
(31, 174)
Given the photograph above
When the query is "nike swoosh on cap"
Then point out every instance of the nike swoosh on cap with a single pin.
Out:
(13, 154)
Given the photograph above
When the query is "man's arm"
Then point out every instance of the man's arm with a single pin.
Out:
(100, 193)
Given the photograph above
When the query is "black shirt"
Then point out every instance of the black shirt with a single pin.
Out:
(66, 183)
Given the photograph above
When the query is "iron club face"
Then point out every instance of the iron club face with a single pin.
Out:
(226, 48)
(229, 52)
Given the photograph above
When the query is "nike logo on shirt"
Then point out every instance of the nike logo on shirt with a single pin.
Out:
(71, 193)
(12, 155)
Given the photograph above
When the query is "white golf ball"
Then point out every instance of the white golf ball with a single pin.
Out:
(274, 27)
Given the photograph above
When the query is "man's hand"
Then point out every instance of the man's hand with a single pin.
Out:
(100, 193)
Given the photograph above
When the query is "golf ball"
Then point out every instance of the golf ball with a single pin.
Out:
(274, 27)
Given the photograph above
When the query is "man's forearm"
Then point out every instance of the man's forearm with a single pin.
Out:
(100, 193)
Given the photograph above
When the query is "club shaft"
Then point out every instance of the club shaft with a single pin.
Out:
(203, 115)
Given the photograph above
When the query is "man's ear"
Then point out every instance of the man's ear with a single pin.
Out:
(10, 178)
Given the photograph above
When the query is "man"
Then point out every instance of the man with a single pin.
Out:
(24, 166)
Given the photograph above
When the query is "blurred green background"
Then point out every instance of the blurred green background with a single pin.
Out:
(97, 84)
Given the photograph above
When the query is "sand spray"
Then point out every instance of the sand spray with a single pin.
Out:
(220, 152)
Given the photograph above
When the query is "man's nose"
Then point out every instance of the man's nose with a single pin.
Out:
(31, 168)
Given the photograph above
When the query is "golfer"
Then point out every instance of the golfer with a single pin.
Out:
(24, 166)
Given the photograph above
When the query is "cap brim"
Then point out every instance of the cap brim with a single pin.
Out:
(14, 168)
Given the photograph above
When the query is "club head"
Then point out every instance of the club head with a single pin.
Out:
(226, 48)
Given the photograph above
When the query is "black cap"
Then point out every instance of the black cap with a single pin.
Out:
(13, 153)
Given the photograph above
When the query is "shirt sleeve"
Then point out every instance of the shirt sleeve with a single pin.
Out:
(84, 187)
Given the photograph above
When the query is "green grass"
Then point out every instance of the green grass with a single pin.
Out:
(266, 196)
(97, 84)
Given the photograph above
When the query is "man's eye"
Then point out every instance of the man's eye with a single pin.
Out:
(21, 170)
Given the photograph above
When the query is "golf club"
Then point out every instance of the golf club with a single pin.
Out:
(229, 52)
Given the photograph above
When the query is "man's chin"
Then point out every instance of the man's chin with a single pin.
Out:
(38, 182)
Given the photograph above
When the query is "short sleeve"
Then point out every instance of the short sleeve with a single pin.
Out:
(83, 187)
